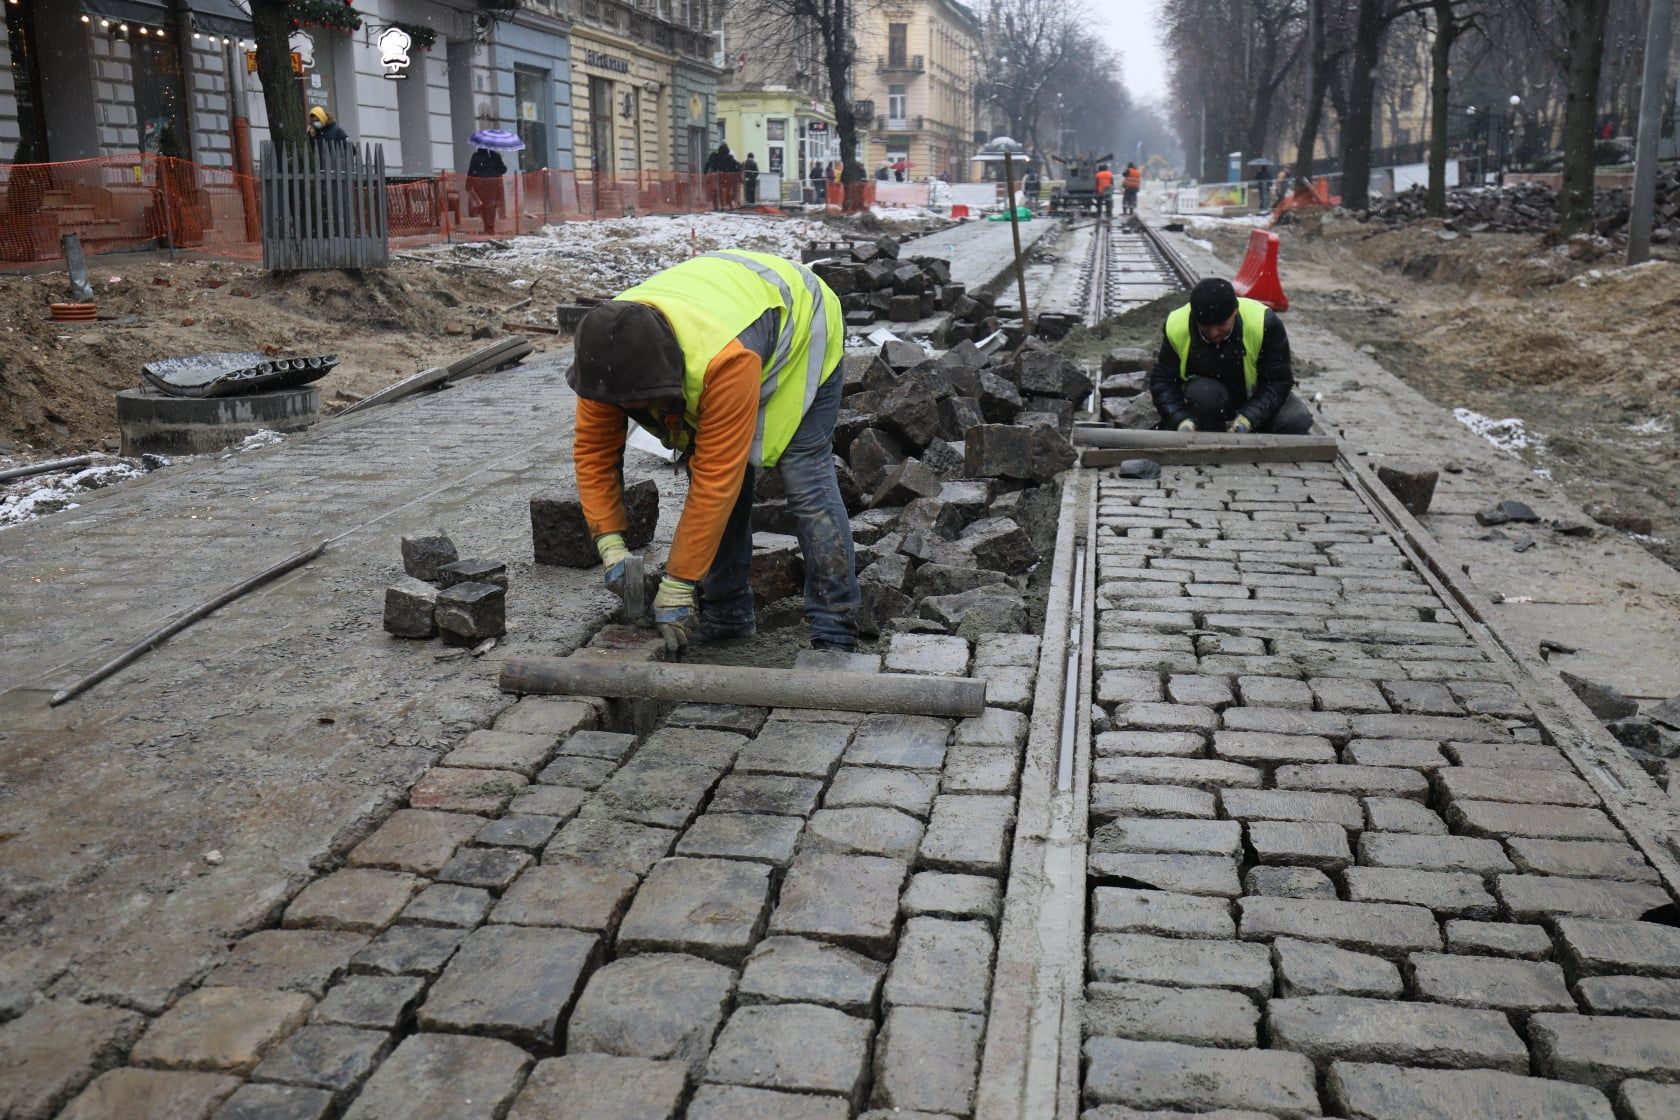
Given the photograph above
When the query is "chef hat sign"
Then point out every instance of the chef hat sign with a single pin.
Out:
(394, 44)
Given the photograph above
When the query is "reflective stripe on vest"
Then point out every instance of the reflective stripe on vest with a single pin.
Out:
(712, 298)
(1251, 313)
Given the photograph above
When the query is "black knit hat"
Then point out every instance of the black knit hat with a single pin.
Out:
(1212, 301)
(625, 351)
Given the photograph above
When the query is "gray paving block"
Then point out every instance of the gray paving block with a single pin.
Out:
(1343, 1028)
(801, 748)
(1288, 882)
(660, 1006)
(1588, 859)
(714, 908)
(969, 833)
(1193, 1016)
(1646, 1100)
(1500, 820)
(864, 830)
(927, 1059)
(1120, 910)
(1170, 1075)
(1110, 800)
(1532, 897)
(1292, 805)
(1398, 814)
(443, 1077)
(846, 900)
(1448, 893)
(751, 836)
(1594, 947)
(1380, 928)
(1303, 843)
(601, 1087)
(740, 1102)
(1629, 995)
(512, 982)
(797, 970)
(1144, 834)
(1603, 1050)
(941, 963)
(1363, 1091)
(1181, 962)
(908, 791)
(1505, 985)
(1204, 875)
(1307, 968)
(1432, 853)
(1499, 939)
(794, 1046)
(913, 742)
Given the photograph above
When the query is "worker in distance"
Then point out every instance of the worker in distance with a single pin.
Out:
(1224, 366)
(733, 360)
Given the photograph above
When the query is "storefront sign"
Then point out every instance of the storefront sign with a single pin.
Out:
(606, 62)
(394, 44)
(817, 127)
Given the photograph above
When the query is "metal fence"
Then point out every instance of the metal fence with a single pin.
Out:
(323, 206)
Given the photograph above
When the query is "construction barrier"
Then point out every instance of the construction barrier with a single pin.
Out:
(1258, 278)
(144, 201)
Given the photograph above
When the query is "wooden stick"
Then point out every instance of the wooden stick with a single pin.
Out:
(44, 466)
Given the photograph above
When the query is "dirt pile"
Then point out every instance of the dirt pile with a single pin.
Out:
(1531, 208)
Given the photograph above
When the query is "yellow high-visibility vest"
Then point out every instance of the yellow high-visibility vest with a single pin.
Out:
(1251, 313)
(712, 298)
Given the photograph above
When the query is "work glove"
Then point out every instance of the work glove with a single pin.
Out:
(1242, 425)
(613, 552)
(1186, 425)
(674, 613)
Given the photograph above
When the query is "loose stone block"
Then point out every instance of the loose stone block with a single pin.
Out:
(912, 742)
(409, 607)
(1630, 995)
(1343, 1028)
(663, 1006)
(1288, 882)
(1551, 787)
(784, 747)
(738, 1102)
(378, 1003)
(601, 1087)
(510, 981)
(291, 960)
(759, 837)
(1360, 780)
(150, 1094)
(1302, 843)
(1291, 805)
(448, 904)
(50, 1051)
(1167, 717)
(1200, 773)
(325, 1057)
(493, 572)
(794, 1046)
(1194, 1016)
(968, 833)
(491, 869)
(1287, 721)
(865, 830)
(1222, 838)
(1389, 930)
(223, 1030)
(502, 750)
(1417, 754)
(712, 908)
(567, 892)
(1602, 1050)
(1181, 962)
(927, 653)
(944, 894)
(277, 1102)
(846, 900)
(1595, 947)
(443, 1077)
(1456, 894)
(1122, 910)
(526, 833)
(1498, 939)
(795, 970)
(1183, 744)
(927, 1060)
(407, 950)
(942, 963)
(1386, 1092)
(559, 534)
(624, 844)
(908, 791)
(1432, 853)
(1502, 820)
(457, 790)
(1646, 1100)
(1265, 748)
(1205, 875)
(1170, 1075)
(1506, 985)
(425, 552)
(1110, 800)
(1587, 859)
(468, 613)
(1532, 897)
(1399, 814)
(1307, 968)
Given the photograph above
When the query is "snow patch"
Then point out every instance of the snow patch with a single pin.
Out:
(262, 437)
(29, 498)
(1655, 426)
(1509, 434)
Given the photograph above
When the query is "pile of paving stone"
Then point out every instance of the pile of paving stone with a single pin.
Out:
(1531, 208)
(1126, 402)
(874, 282)
(463, 601)
(1651, 735)
(947, 461)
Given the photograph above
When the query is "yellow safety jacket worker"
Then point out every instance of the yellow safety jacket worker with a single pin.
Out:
(712, 298)
(1251, 315)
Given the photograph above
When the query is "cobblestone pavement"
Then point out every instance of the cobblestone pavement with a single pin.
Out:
(1335, 866)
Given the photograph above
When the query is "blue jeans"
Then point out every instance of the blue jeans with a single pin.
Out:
(819, 521)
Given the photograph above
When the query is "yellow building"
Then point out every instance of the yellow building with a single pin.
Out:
(783, 130)
(916, 63)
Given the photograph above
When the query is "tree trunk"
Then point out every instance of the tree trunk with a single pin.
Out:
(273, 29)
(1319, 68)
(1440, 88)
(837, 58)
(1362, 87)
(1580, 115)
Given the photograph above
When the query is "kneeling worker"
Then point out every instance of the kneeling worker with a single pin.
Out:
(1224, 367)
(731, 359)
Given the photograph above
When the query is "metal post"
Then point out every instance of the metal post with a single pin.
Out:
(1015, 233)
(1658, 31)
(161, 163)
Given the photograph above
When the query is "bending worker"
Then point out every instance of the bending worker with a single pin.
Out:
(1224, 367)
(731, 359)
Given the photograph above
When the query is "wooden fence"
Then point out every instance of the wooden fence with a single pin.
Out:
(323, 207)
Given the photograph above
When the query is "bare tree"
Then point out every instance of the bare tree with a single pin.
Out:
(271, 22)
(1584, 21)
(1373, 22)
(1452, 20)
(1028, 47)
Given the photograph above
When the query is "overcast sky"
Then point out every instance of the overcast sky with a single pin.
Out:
(1129, 26)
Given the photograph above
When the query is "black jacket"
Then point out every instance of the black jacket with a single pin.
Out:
(749, 170)
(331, 134)
(1224, 362)
(486, 164)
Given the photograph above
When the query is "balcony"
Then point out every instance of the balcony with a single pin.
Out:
(900, 64)
(904, 124)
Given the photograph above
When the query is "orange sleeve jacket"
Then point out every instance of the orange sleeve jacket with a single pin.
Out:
(728, 416)
(1105, 181)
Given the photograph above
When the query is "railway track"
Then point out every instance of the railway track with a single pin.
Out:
(1127, 265)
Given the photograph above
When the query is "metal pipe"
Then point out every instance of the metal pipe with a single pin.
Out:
(163, 633)
(44, 466)
(888, 693)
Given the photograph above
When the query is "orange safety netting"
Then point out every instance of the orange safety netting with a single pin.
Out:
(124, 203)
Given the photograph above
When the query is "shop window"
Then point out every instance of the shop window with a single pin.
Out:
(160, 95)
(531, 98)
(601, 128)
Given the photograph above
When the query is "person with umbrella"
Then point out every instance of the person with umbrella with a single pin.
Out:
(485, 172)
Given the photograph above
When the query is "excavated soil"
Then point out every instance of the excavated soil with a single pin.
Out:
(1561, 336)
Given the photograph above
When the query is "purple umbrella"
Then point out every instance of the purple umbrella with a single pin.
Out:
(496, 140)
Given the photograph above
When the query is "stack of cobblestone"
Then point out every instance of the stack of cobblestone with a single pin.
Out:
(465, 601)
(741, 915)
(874, 283)
(1337, 865)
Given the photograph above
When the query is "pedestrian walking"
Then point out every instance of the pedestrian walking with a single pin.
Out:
(1224, 366)
(484, 183)
(1131, 182)
(749, 179)
(323, 130)
(731, 359)
(1105, 189)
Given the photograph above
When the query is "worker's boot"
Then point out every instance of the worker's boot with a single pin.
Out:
(710, 633)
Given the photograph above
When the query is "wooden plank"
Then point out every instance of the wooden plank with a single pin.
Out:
(1137, 438)
(1244, 450)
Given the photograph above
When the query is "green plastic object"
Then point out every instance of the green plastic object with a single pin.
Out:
(1022, 213)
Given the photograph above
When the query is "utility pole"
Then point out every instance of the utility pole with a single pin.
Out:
(1657, 33)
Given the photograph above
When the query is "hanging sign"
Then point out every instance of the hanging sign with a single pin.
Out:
(394, 44)
(302, 44)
